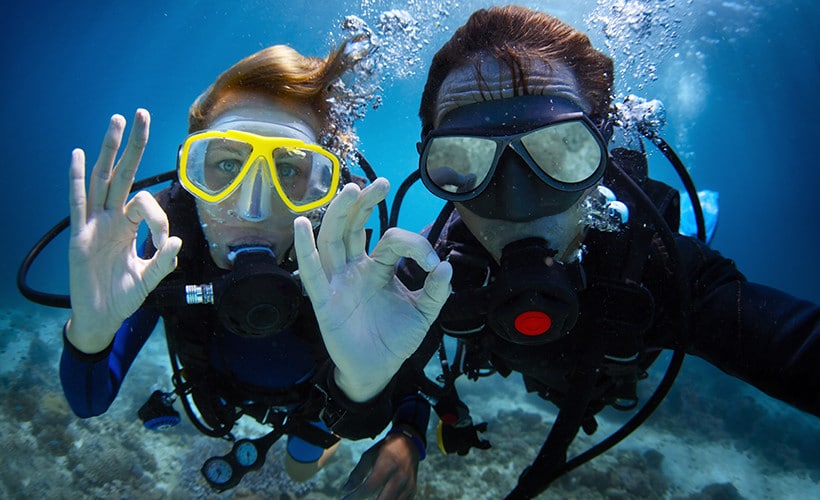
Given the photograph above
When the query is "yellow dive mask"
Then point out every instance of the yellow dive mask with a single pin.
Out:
(212, 164)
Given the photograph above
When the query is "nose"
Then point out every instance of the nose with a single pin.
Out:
(256, 192)
(516, 194)
(516, 186)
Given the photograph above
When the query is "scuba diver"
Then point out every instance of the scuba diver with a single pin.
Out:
(567, 263)
(231, 249)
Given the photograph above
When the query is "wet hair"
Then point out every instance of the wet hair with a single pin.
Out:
(514, 34)
(279, 72)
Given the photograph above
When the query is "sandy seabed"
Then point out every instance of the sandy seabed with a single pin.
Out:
(713, 438)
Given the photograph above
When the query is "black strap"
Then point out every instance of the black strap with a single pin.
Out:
(310, 433)
(551, 461)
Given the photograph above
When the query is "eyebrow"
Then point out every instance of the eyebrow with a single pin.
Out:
(229, 145)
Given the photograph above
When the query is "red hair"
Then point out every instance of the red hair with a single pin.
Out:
(278, 71)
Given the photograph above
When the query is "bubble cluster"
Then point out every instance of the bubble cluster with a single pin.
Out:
(603, 212)
(638, 33)
(381, 46)
(642, 115)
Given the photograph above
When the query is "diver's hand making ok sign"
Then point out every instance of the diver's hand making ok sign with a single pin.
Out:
(108, 280)
(369, 320)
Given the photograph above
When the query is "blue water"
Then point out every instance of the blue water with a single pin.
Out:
(739, 82)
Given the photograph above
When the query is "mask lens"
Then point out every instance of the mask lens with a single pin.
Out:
(213, 164)
(305, 176)
(567, 152)
(459, 164)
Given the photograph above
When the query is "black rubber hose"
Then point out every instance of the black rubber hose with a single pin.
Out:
(59, 300)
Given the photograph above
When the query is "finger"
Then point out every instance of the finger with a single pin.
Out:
(144, 207)
(310, 265)
(331, 236)
(356, 238)
(126, 169)
(76, 191)
(397, 243)
(354, 486)
(395, 488)
(431, 298)
(101, 174)
(162, 263)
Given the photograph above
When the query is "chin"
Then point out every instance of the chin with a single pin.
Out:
(560, 231)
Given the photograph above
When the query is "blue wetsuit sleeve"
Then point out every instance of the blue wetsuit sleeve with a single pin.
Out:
(760, 335)
(302, 451)
(91, 381)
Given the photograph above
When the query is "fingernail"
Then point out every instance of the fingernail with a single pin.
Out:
(432, 259)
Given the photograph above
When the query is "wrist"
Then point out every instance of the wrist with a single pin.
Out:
(357, 391)
(411, 434)
(84, 340)
(82, 356)
(345, 417)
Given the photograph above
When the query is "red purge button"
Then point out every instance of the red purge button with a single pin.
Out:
(532, 323)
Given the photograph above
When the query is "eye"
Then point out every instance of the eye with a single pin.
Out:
(287, 170)
(229, 166)
(291, 162)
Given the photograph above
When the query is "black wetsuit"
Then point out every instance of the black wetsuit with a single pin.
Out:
(638, 301)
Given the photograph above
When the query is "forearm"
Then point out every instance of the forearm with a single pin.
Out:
(87, 383)
(91, 381)
(764, 337)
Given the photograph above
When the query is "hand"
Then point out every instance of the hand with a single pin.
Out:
(388, 469)
(108, 281)
(370, 321)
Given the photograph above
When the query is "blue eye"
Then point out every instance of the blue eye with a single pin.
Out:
(229, 166)
(288, 171)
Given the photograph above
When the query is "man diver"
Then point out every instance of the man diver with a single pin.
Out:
(516, 124)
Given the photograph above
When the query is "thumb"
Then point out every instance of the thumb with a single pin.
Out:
(162, 263)
(362, 470)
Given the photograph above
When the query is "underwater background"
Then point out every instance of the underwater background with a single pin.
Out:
(739, 82)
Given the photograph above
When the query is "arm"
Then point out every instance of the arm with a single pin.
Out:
(760, 335)
(108, 280)
(92, 381)
(371, 324)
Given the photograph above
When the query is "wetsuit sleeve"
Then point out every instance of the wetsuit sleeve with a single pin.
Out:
(303, 452)
(760, 335)
(92, 381)
(410, 419)
(398, 402)
(345, 417)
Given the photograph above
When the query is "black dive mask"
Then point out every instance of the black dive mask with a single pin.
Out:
(256, 298)
(533, 299)
(515, 159)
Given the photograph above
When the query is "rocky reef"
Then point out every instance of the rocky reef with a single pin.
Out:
(701, 444)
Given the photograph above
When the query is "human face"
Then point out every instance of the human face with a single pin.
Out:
(496, 230)
(254, 213)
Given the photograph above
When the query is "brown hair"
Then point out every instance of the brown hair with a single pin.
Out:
(512, 34)
(277, 71)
